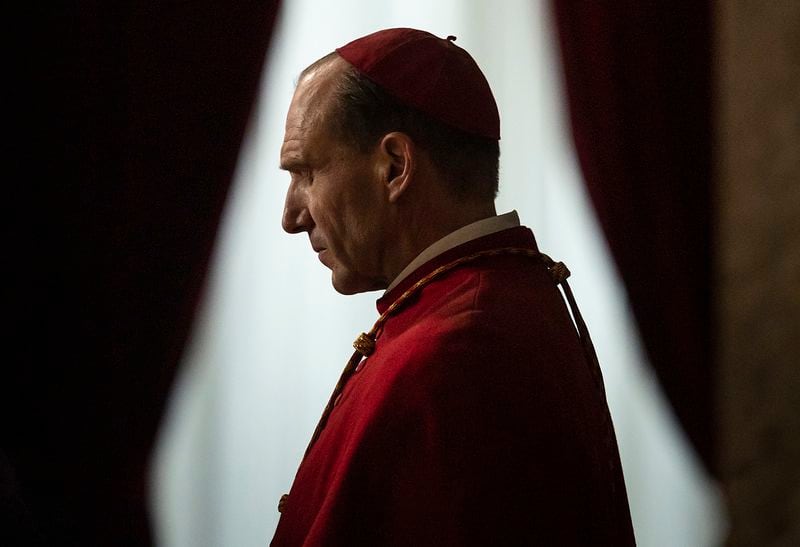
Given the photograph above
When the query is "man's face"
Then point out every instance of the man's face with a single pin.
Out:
(335, 193)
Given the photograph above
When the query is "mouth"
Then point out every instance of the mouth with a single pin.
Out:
(315, 245)
(320, 255)
(319, 249)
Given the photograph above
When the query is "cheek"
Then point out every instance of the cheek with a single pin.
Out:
(347, 212)
(328, 213)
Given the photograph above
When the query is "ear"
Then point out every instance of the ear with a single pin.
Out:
(399, 154)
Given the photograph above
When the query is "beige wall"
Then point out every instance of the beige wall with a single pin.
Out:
(758, 265)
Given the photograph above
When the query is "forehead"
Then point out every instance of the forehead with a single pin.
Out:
(305, 120)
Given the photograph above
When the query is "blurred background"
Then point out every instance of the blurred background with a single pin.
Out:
(172, 348)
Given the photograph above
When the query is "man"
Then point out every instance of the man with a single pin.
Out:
(472, 413)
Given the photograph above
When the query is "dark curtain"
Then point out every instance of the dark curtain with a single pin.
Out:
(638, 82)
(132, 119)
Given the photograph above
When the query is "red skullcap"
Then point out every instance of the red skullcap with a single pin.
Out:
(430, 74)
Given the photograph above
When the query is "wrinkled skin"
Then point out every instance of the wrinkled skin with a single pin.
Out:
(336, 193)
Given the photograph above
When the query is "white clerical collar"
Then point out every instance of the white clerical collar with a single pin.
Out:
(466, 233)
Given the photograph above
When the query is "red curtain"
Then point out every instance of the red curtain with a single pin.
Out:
(134, 115)
(638, 83)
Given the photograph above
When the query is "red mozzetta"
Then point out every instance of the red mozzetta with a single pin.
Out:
(476, 421)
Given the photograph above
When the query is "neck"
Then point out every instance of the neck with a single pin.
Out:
(418, 231)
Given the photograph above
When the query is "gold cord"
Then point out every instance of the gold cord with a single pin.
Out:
(365, 343)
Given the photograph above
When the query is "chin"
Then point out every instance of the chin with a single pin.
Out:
(349, 283)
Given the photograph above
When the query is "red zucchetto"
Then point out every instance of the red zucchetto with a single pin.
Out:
(430, 74)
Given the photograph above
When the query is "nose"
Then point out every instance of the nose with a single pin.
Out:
(296, 218)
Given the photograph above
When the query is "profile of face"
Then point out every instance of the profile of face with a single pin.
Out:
(335, 194)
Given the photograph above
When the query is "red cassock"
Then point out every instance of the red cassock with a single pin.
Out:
(476, 421)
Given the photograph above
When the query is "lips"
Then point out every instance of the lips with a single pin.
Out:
(319, 249)
(316, 246)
